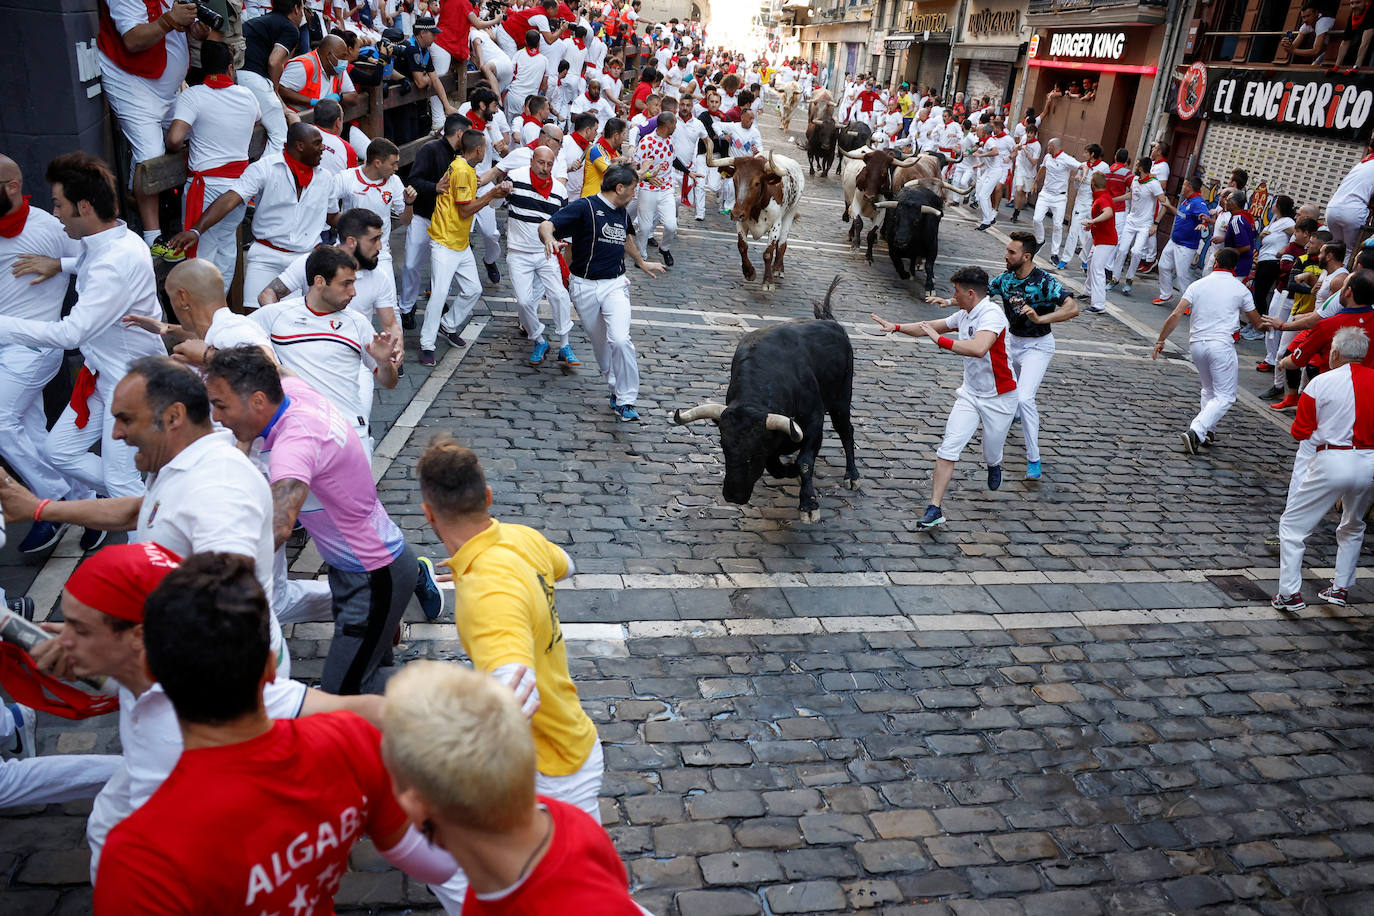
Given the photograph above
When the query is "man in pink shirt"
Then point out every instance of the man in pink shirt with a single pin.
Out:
(319, 472)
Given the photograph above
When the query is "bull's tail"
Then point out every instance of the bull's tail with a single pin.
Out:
(822, 309)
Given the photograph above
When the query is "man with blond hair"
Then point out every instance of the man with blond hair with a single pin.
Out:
(462, 764)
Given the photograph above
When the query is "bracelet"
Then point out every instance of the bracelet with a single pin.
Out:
(897, 328)
(193, 229)
(38, 510)
(945, 343)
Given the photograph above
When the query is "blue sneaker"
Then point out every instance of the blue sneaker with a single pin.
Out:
(541, 349)
(1062, 264)
(626, 412)
(1033, 470)
(25, 724)
(994, 477)
(427, 590)
(41, 536)
(611, 398)
(1017, 418)
(566, 355)
(932, 517)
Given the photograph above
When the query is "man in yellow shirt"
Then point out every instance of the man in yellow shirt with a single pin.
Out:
(449, 255)
(503, 579)
(601, 154)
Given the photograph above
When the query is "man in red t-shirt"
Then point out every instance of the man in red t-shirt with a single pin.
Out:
(461, 756)
(258, 815)
(1313, 347)
(457, 18)
(1119, 179)
(1102, 224)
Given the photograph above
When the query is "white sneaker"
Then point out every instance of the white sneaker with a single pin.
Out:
(25, 728)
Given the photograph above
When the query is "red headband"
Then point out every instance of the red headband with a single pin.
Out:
(118, 579)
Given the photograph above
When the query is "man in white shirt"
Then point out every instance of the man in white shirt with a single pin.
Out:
(375, 186)
(195, 290)
(114, 277)
(1159, 168)
(995, 154)
(653, 157)
(988, 396)
(1139, 225)
(1216, 302)
(215, 119)
(293, 197)
(538, 193)
(1082, 207)
(1027, 167)
(26, 370)
(1056, 166)
(745, 140)
(483, 109)
(530, 77)
(326, 343)
(1348, 207)
(339, 154)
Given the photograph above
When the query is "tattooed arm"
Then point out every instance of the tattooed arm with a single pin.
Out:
(288, 495)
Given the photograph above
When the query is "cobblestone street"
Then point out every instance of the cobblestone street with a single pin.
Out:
(1074, 698)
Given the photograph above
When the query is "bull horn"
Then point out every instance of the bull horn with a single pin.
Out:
(772, 166)
(885, 205)
(917, 182)
(959, 191)
(932, 211)
(707, 411)
(850, 154)
(778, 423)
(715, 163)
(908, 162)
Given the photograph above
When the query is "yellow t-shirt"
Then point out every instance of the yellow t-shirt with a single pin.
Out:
(595, 162)
(906, 104)
(447, 227)
(504, 587)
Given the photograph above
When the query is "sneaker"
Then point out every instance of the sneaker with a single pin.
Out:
(22, 606)
(1097, 309)
(41, 536)
(25, 725)
(1162, 300)
(1288, 403)
(626, 412)
(932, 518)
(163, 253)
(667, 257)
(611, 398)
(1126, 290)
(701, 219)
(1209, 440)
(427, 358)
(1111, 282)
(91, 539)
(427, 590)
(1016, 216)
(400, 370)
(1145, 267)
(1084, 265)
(566, 355)
(1264, 366)
(983, 227)
(493, 274)
(1249, 333)
(408, 320)
(541, 349)
(994, 476)
(524, 331)
(1061, 264)
(1291, 603)
(1273, 392)
(1033, 470)
(453, 338)
(1191, 443)
(1334, 595)
(653, 243)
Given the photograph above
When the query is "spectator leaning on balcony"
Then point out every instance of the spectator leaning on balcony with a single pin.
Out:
(1310, 43)
(1356, 34)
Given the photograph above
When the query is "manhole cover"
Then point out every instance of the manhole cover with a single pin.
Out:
(1239, 588)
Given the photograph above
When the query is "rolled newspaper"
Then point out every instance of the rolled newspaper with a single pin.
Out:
(26, 634)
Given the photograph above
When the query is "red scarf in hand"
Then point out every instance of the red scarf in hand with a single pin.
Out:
(219, 81)
(542, 186)
(23, 681)
(12, 223)
(300, 171)
(82, 390)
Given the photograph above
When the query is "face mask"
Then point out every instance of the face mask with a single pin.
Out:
(340, 66)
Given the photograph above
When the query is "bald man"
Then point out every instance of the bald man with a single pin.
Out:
(537, 193)
(24, 371)
(293, 193)
(321, 74)
(195, 288)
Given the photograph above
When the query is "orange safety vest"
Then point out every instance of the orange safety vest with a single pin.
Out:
(315, 87)
(149, 63)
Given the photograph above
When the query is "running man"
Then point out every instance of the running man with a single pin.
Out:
(987, 397)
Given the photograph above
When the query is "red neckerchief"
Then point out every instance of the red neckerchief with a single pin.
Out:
(477, 123)
(219, 81)
(581, 141)
(1356, 23)
(1092, 163)
(610, 150)
(532, 52)
(299, 170)
(542, 186)
(531, 119)
(591, 98)
(1249, 217)
(12, 223)
(1001, 135)
(1367, 158)
(580, 43)
(366, 183)
(1157, 161)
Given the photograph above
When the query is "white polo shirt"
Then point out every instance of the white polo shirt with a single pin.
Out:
(1140, 211)
(228, 330)
(371, 289)
(1353, 193)
(221, 122)
(339, 154)
(353, 189)
(289, 222)
(1218, 301)
(42, 234)
(989, 375)
(1058, 168)
(326, 351)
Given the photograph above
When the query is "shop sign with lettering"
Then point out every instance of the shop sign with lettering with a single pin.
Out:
(1337, 107)
(1086, 45)
(983, 22)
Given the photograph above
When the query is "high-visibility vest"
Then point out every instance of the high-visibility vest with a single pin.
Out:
(149, 63)
(316, 86)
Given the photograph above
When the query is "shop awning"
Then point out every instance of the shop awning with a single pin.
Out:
(904, 40)
(981, 52)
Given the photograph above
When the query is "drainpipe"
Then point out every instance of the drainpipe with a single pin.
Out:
(955, 31)
(1175, 28)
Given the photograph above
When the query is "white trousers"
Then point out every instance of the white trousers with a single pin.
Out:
(442, 60)
(657, 208)
(1130, 247)
(1218, 372)
(698, 193)
(1175, 268)
(273, 116)
(484, 224)
(1030, 358)
(535, 277)
(1344, 474)
(55, 779)
(1281, 307)
(969, 411)
(1345, 227)
(604, 307)
(112, 472)
(260, 267)
(988, 180)
(581, 789)
(1053, 205)
(417, 250)
(1097, 274)
(299, 600)
(220, 243)
(445, 264)
(1082, 210)
(24, 373)
(144, 116)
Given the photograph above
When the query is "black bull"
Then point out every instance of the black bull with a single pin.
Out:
(820, 145)
(784, 379)
(911, 229)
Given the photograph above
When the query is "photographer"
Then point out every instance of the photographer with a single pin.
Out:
(416, 59)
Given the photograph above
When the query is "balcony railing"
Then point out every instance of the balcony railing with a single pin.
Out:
(1260, 50)
(1042, 7)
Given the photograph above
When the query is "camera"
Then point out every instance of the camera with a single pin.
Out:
(206, 16)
